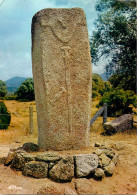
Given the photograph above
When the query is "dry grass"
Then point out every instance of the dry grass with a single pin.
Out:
(18, 130)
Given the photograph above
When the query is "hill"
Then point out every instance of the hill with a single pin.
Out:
(14, 83)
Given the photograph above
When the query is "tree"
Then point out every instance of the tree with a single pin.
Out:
(3, 89)
(119, 101)
(122, 81)
(5, 116)
(115, 38)
(26, 90)
(99, 86)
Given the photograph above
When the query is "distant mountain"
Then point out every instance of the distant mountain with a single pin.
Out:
(14, 83)
(103, 76)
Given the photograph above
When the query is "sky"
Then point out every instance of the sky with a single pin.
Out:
(15, 32)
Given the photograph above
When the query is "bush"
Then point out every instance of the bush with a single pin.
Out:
(3, 89)
(10, 97)
(94, 94)
(118, 101)
(5, 116)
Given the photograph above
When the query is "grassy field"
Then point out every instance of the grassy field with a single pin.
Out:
(18, 131)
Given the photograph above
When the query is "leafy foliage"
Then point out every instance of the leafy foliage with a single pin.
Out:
(26, 90)
(123, 81)
(5, 116)
(99, 86)
(3, 89)
(118, 101)
(115, 38)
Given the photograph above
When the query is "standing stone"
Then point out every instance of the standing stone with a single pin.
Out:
(62, 78)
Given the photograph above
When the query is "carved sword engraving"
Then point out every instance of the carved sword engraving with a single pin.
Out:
(66, 50)
(58, 95)
(61, 30)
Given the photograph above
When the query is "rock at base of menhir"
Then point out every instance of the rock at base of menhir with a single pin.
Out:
(120, 124)
(99, 173)
(115, 159)
(63, 171)
(85, 164)
(9, 158)
(104, 160)
(36, 169)
(18, 162)
(109, 169)
(107, 161)
(50, 157)
(109, 152)
(30, 147)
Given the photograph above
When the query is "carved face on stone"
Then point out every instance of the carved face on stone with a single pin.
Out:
(62, 26)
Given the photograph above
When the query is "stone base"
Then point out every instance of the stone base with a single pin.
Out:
(62, 167)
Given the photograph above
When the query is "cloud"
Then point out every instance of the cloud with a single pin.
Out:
(15, 33)
(15, 64)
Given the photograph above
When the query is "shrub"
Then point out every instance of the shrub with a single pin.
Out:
(11, 97)
(94, 94)
(5, 116)
(107, 86)
(118, 101)
(3, 89)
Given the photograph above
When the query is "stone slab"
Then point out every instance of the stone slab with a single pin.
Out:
(119, 124)
(48, 157)
(62, 78)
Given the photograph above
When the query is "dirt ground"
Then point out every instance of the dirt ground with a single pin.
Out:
(123, 181)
